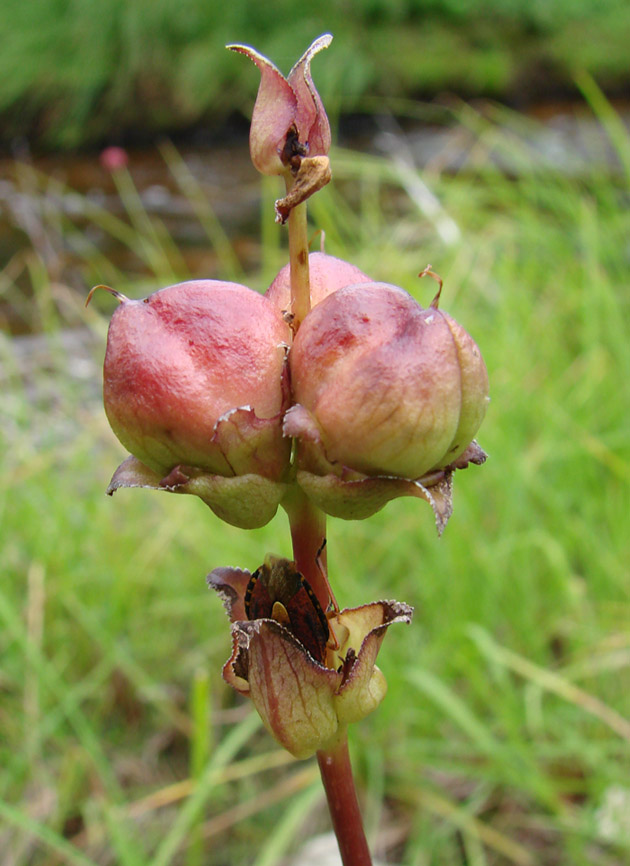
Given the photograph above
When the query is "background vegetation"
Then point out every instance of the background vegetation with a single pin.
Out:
(505, 737)
(89, 71)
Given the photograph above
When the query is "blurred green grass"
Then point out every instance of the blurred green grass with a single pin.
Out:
(93, 71)
(505, 736)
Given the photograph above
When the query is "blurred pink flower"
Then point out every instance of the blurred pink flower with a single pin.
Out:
(114, 158)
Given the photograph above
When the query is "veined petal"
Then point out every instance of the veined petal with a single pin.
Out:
(292, 693)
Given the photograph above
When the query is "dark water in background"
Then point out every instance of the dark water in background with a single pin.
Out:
(31, 190)
(37, 196)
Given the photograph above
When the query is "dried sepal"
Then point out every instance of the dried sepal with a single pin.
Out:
(358, 498)
(313, 174)
(247, 501)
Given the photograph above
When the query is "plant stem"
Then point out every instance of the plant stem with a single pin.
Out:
(308, 530)
(308, 523)
(334, 765)
(308, 533)
(298, 258)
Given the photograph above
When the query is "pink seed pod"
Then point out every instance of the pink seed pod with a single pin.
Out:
(384, 386)
(326, 275)
(178, 366)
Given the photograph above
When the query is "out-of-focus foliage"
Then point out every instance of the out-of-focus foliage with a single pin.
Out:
(504, 738)
(78, 72)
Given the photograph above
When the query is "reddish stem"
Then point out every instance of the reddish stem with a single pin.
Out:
(334, 765)
(308, 530)
(308, 533)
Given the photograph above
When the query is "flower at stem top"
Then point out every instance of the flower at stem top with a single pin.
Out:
(288, 121)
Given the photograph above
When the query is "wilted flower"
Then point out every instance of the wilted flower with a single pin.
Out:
(195, 388)
(309, 674)
(290, 134)
(288, 120)
(384, 389)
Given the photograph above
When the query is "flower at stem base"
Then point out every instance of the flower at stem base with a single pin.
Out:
(305, 704)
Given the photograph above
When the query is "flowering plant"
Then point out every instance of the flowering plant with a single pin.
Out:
(330, 394)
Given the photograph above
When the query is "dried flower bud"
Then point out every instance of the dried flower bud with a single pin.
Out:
(289, 121)
(383, 388)
(326, 275)
(194, 388)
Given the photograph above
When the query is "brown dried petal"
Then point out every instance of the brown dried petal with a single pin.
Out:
(230, 584)
(313, 174)
(473, 454)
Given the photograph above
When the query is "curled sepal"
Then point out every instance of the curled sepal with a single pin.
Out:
(311, 119)
(230, 584)
(352, 495)
(305, 704)
(248, 501)
(363, 685)
(288, 121)
(357, 498)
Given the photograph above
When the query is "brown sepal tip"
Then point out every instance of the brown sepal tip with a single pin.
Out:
(118, 295)
(429, 272)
